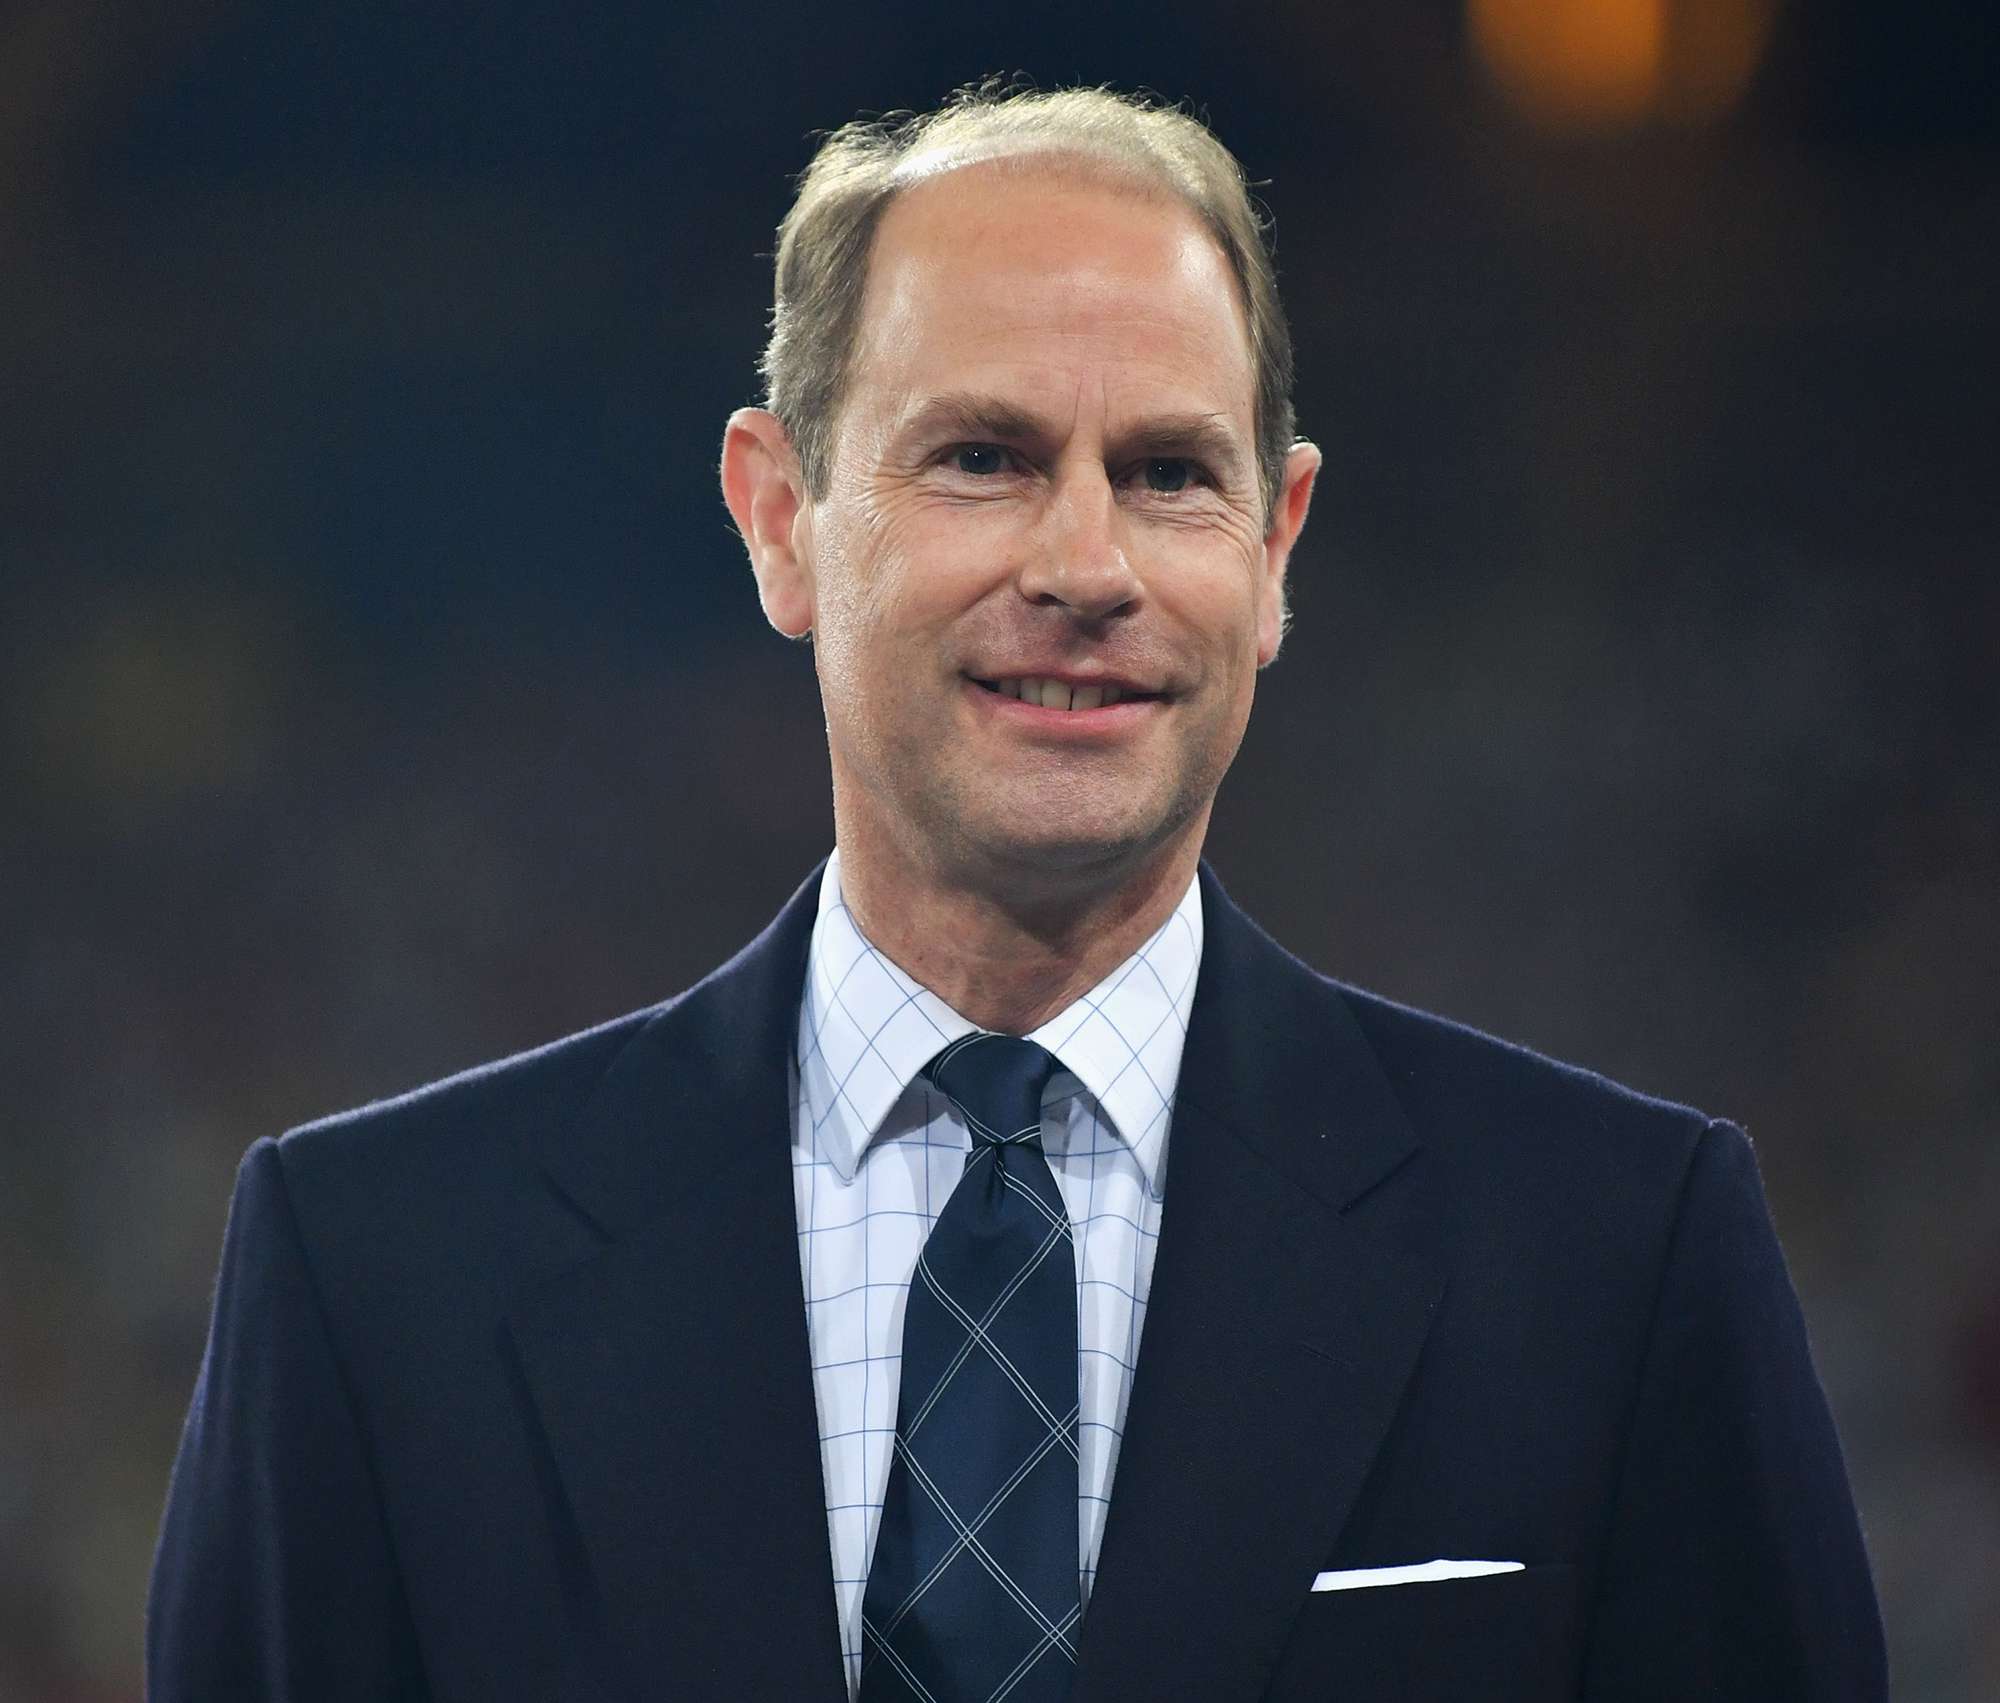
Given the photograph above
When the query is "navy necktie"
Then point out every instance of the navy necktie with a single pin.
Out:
(972, 1593)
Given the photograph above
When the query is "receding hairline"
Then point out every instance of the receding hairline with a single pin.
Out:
(1068, 166)
(1080, 158)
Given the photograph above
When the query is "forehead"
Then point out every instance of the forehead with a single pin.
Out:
(1023, 276)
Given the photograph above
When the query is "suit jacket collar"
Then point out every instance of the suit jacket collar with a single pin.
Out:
(670, 1367)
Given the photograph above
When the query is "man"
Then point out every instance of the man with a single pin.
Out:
(1013, 1276)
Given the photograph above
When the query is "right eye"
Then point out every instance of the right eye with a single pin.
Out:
(979, 459)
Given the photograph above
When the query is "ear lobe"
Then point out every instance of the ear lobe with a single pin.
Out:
(765, 492)
(1288, 519)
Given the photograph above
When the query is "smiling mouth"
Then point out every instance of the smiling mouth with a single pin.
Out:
(1061, 695)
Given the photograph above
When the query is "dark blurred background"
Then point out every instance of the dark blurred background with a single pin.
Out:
(383, 689)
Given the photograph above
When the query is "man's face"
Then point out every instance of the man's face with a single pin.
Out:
(1044, 481)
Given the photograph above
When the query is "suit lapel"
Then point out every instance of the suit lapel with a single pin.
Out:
(670, 1365)
(1297, 1271)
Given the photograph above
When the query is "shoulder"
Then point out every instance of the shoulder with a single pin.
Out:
(1452, 1082)
(1539, 1143)
(1503, 1125)
(448, 1153)
(418, 1216)
(1519, 1146)
(1446, 1070)
(462, 1148)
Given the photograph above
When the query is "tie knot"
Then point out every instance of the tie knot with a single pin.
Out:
(996, 1082)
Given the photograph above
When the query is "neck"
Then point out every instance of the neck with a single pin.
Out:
(1010, 955)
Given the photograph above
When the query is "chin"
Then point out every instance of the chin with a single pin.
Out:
(1062, 852)
(1065, 844)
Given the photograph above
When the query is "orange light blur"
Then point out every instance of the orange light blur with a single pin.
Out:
(1602, 65)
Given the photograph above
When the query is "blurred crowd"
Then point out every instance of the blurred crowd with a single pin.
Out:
(381, 689)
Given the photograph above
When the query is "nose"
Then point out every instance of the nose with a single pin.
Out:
(1077, 560)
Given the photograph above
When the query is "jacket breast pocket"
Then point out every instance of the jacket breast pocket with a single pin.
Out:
(1499, 1638)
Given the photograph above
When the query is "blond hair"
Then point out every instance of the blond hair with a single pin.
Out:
(824, 241)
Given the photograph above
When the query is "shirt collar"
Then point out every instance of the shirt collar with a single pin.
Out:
(867, 1029)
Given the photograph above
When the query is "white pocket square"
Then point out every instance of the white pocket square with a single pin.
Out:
(1416, 1573)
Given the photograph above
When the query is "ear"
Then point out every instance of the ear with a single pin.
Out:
(1288, 519)
(766, 494)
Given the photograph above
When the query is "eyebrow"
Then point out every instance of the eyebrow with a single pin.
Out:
(1208, 438)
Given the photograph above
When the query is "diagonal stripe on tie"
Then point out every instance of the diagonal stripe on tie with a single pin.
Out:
(967, 1538)
(972, 1592)
(968, 1543)
(978, 1334)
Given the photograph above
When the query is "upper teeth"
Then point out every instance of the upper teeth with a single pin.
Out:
(1057, 694)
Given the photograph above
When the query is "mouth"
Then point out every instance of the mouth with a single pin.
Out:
(1045, 692)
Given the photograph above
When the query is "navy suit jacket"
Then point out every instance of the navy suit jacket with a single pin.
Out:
(508, 1391)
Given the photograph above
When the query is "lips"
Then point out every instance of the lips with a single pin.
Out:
(1054, 694)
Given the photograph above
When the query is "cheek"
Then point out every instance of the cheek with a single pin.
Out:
(872, 634)
(872, 551)
(925, 570)
(1221, 601)
(856, 573)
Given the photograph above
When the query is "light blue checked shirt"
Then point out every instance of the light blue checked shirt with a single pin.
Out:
(876, 1152)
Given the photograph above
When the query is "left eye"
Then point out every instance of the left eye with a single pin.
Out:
(1166, 474)
(979, 458)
